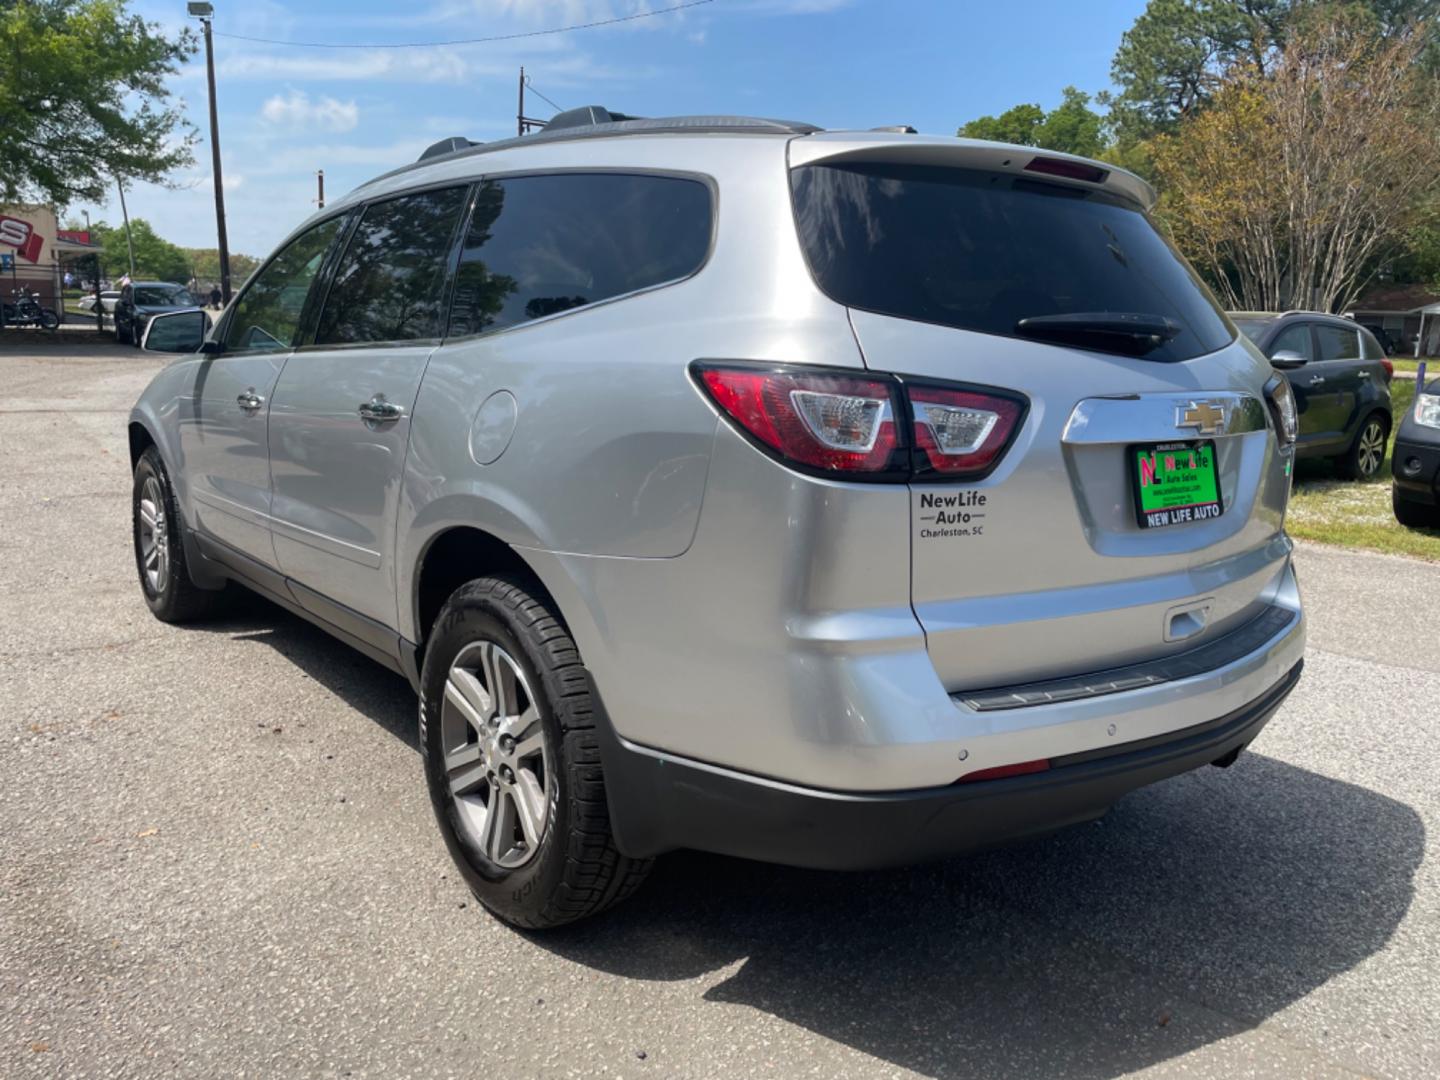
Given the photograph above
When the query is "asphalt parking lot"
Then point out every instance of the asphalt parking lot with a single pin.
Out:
(218, 859)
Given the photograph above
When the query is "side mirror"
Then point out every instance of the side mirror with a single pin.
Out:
(176, 332)
(1288, 359)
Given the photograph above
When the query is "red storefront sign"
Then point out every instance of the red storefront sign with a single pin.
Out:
(19, 234)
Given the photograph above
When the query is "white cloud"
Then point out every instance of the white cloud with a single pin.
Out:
(296, 110)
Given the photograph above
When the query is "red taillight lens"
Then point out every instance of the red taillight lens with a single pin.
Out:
(833, 423)
(961, 432)
(1022, 768)
(1389, 369)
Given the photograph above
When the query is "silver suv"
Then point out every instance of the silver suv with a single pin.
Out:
(839, 499)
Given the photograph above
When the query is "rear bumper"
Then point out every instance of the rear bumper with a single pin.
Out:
(660, 802)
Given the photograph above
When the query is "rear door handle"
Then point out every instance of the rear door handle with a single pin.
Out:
(379, 411)
(1316, 380)
(250, 401)
(1364, 374)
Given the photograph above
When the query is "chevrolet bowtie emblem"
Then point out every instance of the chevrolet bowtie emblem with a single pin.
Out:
(1206, 417)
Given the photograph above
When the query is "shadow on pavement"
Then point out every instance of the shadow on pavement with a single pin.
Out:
(1195, 910)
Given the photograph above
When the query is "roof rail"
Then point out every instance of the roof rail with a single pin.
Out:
(594, 121)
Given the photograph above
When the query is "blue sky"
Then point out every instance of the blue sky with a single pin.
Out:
(285, 112)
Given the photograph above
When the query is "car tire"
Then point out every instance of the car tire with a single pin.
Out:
(1414, 515)
(164, 573)
(1367, 453)
(515, 778)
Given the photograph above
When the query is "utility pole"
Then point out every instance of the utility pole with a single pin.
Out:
(205, 12)
(320, 183)
(520, 108)
(129, 244)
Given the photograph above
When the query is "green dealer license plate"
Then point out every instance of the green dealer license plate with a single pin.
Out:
(1174, 483)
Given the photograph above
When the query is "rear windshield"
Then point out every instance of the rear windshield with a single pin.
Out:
(160, 296)
(981, 251)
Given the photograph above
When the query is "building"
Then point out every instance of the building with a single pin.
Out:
(35, 251)
(1405, 313)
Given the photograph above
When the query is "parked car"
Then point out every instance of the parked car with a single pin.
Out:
(1341, 381)
(840, 499)
(108, 299)
(1416, 462)
(140, 300)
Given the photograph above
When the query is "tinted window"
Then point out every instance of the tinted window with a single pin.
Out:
(1370, 346)
(1294, 339)
(1254, 329)
(538, 245)
(267, 314)
(1337, 342)
(160, 296)
(389, 284)
(981, 251)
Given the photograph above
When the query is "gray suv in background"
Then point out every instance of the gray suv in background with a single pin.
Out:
(840, 499)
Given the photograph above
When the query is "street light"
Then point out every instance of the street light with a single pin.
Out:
(206, 14)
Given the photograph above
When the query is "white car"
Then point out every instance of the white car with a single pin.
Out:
(107, 301)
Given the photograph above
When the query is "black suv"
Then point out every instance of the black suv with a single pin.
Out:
(1341, 381)
(1417, 461)
(140, 301)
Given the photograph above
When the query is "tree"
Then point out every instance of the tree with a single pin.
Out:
(1175, 57)
(205, 264)
(155, 258)
(83, 99)
(1303, 172)
(1072, 127)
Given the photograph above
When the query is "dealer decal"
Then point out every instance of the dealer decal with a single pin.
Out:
(953, 514)
(17, 233)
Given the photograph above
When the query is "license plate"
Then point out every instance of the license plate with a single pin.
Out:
(1175, 483)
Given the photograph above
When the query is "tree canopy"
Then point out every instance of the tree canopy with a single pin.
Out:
(156, 259)
(1072, 127)
(83, 99)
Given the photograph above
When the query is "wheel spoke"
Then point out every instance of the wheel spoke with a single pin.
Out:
(499, 678)
(498, 837)
(462, 756)
(147, 515)
(467, 780)
(464, 691)
(530, 802)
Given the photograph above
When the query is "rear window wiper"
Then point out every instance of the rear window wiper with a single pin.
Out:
(1130, 333)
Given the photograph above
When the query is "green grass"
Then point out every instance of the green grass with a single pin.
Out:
(1412, 366)
(1349, 513)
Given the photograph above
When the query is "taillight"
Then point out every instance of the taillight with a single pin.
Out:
(831, 423)
(961, 432)
(1283, 410)
(1071, 170)
(1389, 367)
(865, 426)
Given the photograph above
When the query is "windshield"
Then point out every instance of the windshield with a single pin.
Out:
(982, 251)
(163, 296)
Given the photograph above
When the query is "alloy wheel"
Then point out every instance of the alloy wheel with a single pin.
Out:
(496, 757)
(154, 545)
(1371, 451)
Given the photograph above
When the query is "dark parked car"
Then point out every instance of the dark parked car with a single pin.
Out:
(1341, 382)
(1417, 462)
(142, 299)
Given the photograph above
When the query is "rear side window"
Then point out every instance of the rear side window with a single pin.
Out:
(1294, 339)
(538, 245)
(1370, 347)
(981, 251)
(1337, 342)
(390, 283)
(267, 314)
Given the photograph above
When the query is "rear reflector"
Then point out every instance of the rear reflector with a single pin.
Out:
(1071, 170)
(1023, 768)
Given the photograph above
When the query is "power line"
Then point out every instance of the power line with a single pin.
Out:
(466, 41)
(531, 86)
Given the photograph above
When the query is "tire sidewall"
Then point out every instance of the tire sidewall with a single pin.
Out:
(475, 613)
